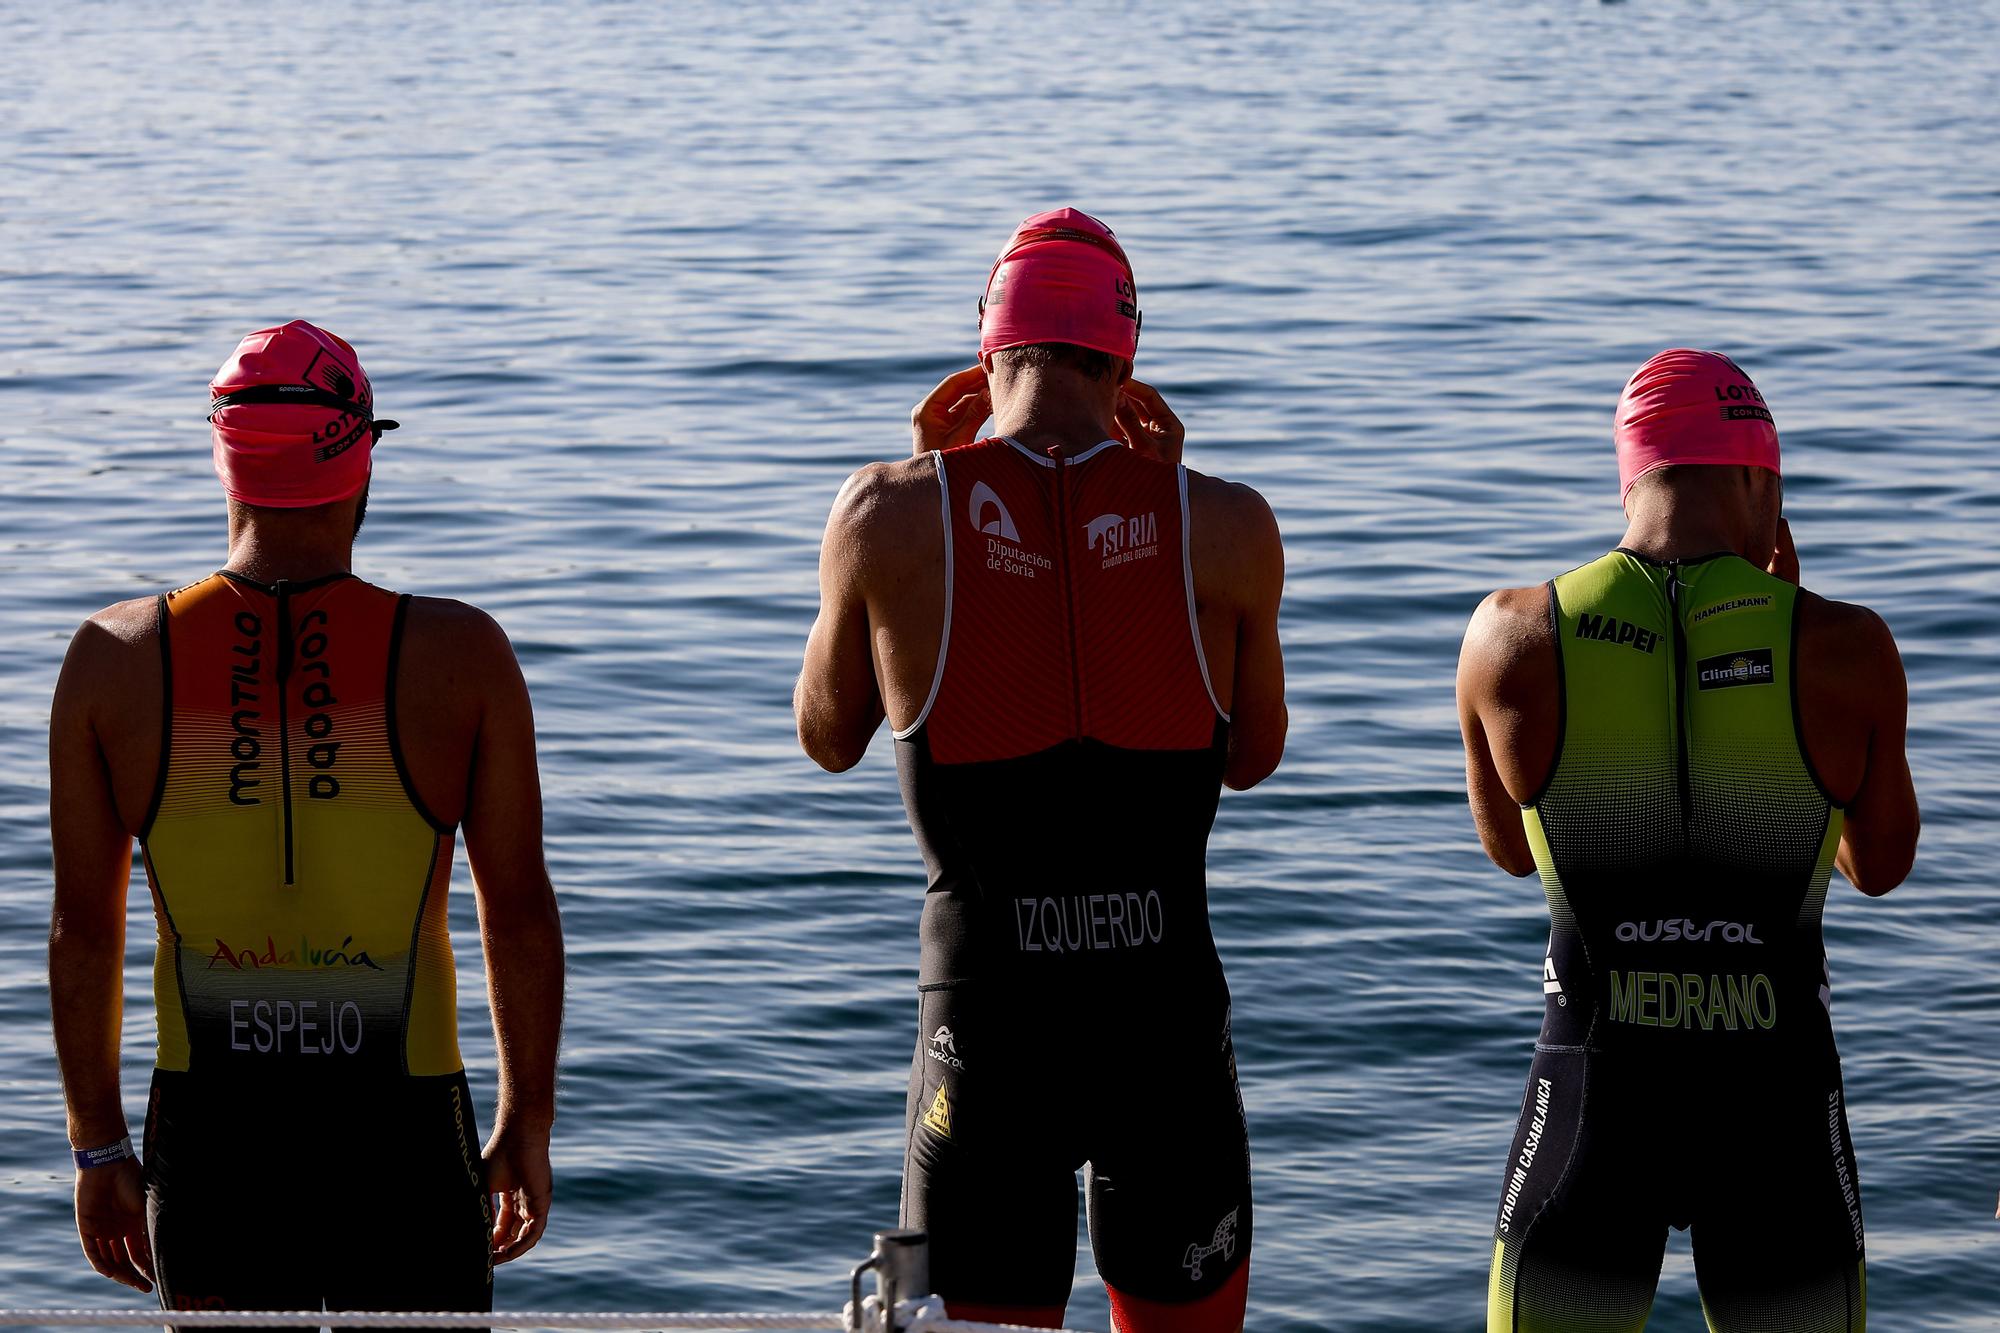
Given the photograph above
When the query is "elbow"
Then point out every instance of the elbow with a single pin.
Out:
(79, 943)
(830, 752)
(1878, 880)
(1884, 868)
(1244, 772)
(1251, 761)
(524, 908)
(826, 742)
(1512, 855)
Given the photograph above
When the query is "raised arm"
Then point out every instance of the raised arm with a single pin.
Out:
(1856, 714)
(838, 703)
(1507, 715)
(92, 844)
(1240, 562)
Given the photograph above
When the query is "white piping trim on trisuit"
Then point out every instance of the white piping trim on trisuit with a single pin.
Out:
(1092, 452)
(1194, 620)
(944, 638)
(1026, 452)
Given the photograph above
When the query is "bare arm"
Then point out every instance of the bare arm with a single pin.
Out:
(1258, 718)
(521, 933)
(1507, 728)
(838, 703)
(92, 845)
(1878, 844)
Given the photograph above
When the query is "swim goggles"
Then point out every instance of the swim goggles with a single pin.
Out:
(301, 395)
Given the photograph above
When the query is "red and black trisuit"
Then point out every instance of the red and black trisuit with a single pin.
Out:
(1061, 781)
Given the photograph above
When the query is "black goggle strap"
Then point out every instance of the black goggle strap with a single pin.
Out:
(1081, 237)
(299, 395)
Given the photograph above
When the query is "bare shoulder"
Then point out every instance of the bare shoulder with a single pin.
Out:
(121, 638)
(1838, 620)
(881, 495)
(1850, 635)
(881, 508)
(446, 620)
(1234, 534)
(135, 622)
(1231, 505)
(1510, 627)
(456, 640)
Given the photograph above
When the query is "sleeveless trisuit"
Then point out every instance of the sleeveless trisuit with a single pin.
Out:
(1061, 781)
(310, 1135)
(1686, 1074)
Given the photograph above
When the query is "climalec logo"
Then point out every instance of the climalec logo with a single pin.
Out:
(1752, 666)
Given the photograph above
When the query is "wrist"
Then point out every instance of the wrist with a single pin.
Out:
(515, 1120)
(96, 1130)
(106, 1154)
(524, 1122)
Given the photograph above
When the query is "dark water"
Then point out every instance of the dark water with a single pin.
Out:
(644, 283)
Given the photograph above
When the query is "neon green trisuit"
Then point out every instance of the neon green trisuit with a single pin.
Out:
(1686, 1074)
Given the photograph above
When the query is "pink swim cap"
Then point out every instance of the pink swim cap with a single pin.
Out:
(293, 418)
(1062, 278)
(1685, 406)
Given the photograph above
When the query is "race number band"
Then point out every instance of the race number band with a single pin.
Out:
(110, 1154)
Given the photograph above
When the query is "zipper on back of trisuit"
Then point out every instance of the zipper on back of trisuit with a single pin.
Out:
(284, 723)
(1681, 737)
(1061, 457)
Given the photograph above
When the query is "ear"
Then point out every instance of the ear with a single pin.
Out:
(1125, 371)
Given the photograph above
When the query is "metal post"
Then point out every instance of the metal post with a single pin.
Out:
(902, 1266)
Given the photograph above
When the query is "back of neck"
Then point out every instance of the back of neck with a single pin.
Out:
(1042, 417)
(269, 557)
(1681, 536)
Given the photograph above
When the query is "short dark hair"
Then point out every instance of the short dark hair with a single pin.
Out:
(245, 509)
(1086, 361)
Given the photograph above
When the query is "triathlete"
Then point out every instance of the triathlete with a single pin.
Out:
(1075, 640)
(1685, 743)
(294, 749)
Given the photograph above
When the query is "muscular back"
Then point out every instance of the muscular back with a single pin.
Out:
(1851, 708)
(874, 651)
(454, 670)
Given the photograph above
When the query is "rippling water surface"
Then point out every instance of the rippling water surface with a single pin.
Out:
(644, 283)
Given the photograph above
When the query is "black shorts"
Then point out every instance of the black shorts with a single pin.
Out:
(272, 1195)
(1009, 1099)
(1754, 1160)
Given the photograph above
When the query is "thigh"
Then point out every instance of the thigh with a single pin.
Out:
(1169, 1188)
(1778, 1245)
(419, 1224)
(230, 1228)
(985, 1173)
(1581, 1230)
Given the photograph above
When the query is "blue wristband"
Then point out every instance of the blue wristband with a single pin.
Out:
(86, 1158)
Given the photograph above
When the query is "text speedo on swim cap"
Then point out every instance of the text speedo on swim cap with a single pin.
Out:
(293, 419)
(1686, 406)
(1061, 278)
